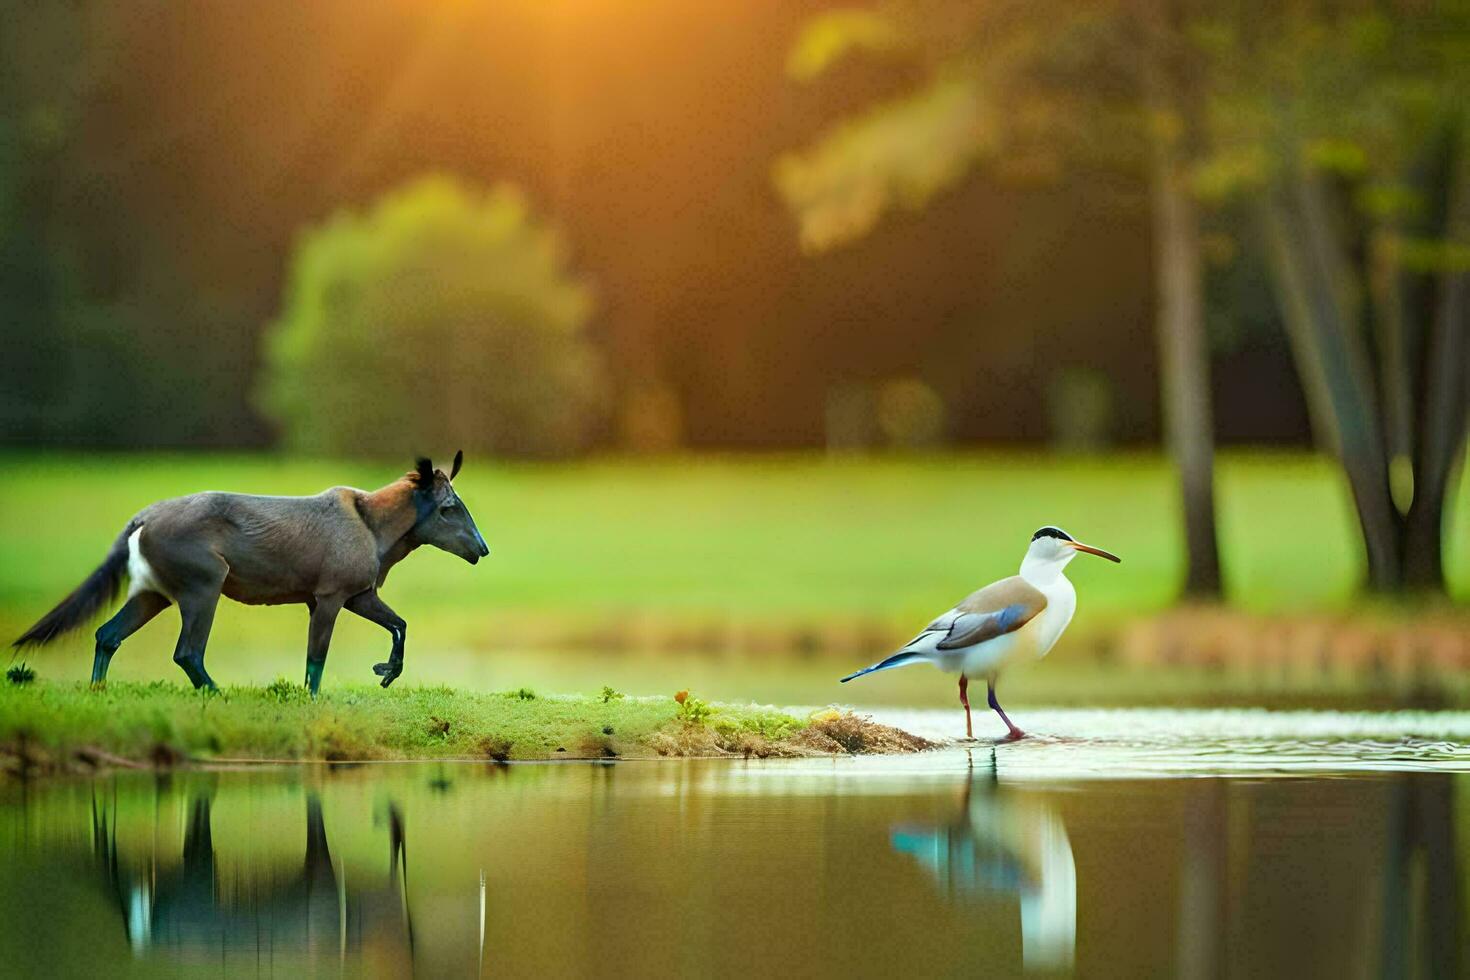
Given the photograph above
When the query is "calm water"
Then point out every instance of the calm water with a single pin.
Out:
(1121, 844)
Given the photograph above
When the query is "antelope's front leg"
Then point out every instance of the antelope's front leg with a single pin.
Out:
(375, 610)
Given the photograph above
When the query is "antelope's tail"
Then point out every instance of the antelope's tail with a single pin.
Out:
(900, 659)
(96, 593)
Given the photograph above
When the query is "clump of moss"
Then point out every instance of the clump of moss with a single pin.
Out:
(22, 673)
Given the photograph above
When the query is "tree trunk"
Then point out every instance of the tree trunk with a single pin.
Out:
(1391, 336)
(1172, 94)
(1184, 361)
(1309, 269)
(1443, 408)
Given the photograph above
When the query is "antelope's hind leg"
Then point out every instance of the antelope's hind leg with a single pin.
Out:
(319, 638)
(196, 611)
(370, 607)
(133, 616)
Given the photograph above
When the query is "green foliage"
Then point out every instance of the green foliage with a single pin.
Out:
(23, 674)
(1009, 84)
(609, 695)
(522, 694)
(831, 35)
(774, 725)
(896, 155)
(439, 316)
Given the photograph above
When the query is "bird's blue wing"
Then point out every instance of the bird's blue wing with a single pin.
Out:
(968, 629)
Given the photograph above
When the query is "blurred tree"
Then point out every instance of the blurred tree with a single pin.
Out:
(440, 316)
(1080, 403)
(107, 344)
(1020, 86)
(1346, 127)
(910, 414)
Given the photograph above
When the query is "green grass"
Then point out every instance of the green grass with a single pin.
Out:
(166, 722)
(632, 560)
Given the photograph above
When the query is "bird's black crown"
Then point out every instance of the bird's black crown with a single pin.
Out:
(1051, 532)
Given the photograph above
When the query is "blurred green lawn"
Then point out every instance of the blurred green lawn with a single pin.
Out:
(776, 542)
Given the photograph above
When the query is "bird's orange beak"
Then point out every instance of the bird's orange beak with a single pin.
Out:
(1095, 551)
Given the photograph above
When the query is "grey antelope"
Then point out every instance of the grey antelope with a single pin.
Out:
(330, 552)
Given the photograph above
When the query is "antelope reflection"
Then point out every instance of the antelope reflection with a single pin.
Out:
(1003, 844)
(193, 908)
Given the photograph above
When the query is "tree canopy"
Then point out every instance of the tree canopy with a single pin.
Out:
(438, 316)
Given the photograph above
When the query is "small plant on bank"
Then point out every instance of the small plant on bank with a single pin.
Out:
(21, 673)
(609, 695)
(522, 694)
(285, 691)
(692, 711)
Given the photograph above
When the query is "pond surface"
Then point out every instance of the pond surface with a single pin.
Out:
(1120, 844)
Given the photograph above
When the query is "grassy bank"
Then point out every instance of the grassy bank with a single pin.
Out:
(60, 726)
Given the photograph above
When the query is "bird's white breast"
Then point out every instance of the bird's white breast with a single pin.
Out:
(1061, 603)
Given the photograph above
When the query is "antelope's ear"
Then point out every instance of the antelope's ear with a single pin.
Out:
(458, 460)
(425, 471)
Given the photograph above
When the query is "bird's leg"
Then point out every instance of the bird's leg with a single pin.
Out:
(1015, 732)
(965, 700)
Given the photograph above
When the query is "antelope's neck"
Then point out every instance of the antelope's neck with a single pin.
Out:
(390, 515)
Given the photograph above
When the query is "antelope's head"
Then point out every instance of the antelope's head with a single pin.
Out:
(443, 519)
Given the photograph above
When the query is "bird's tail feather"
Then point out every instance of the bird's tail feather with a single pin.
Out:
(899, 659)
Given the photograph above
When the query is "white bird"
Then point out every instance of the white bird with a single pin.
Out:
(1013, 619)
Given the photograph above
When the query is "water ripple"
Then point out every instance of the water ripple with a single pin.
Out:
(1119, 743)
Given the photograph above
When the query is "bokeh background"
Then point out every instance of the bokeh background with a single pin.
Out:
(769, 330)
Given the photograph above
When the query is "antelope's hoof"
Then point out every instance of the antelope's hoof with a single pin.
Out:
(388, 671)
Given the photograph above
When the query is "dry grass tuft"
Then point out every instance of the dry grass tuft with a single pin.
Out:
(597, 747)
(829, 733)
(495, 747)
(705, 741)
(859, 735)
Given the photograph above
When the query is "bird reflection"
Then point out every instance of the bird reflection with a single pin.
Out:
(192, 907)
(1004, 844)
